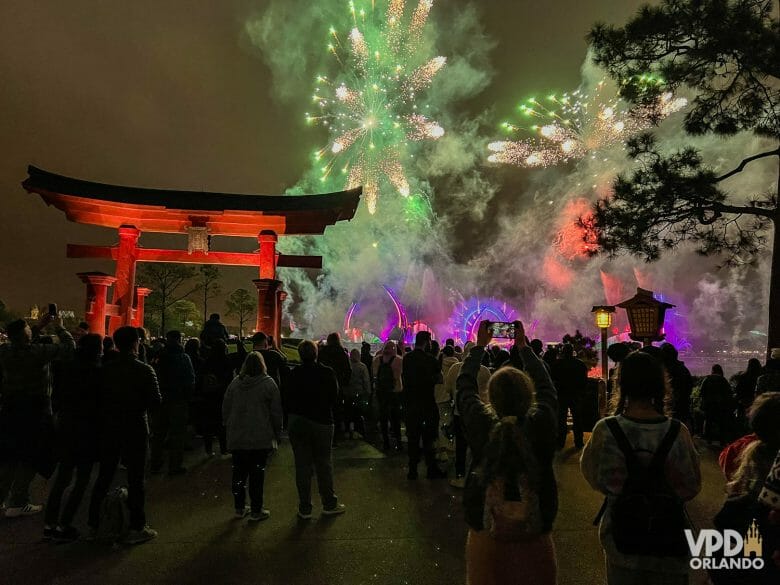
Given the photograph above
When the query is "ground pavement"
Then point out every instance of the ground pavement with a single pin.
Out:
(395, 531)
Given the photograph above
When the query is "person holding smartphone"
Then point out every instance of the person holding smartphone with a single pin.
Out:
(25, 406)
(512, 441)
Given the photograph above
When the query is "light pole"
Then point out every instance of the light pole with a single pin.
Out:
(603, 315)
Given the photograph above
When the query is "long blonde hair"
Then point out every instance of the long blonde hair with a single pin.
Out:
(254, 365)
(511, 393)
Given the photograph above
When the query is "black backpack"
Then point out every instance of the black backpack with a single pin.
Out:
(385, 379)
(648, 518)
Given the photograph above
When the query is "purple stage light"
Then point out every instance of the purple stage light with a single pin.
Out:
(398, 321)
(467, 316)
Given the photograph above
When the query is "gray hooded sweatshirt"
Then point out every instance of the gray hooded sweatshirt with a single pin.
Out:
(252, 413)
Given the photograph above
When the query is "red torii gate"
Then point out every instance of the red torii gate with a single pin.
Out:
(133, 210)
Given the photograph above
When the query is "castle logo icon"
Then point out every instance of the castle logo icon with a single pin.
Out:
(753, 543)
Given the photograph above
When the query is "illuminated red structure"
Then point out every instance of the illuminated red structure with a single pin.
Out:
(199, 215)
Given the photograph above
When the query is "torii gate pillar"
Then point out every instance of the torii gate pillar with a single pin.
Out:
(124, 289)
(280, 298)
(97, 292)
(267, 240)
(140, 301)
(268, 315)
(269, 299)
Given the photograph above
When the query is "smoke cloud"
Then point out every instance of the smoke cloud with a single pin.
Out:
(487, 232)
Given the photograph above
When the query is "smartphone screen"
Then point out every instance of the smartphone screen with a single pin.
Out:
(502, 330)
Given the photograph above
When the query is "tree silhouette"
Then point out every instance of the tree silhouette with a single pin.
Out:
(728, 53)
(170, 283)
(208, 286)
(240, 304)
(186, 317)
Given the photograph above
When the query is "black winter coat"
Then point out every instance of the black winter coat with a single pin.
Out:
(76, 396)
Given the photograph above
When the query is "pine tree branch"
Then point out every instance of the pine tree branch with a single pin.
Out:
(745, 162)
(742, 209)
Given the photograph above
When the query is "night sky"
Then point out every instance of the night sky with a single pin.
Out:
(172, 95)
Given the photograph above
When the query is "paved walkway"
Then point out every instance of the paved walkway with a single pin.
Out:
(395, 532)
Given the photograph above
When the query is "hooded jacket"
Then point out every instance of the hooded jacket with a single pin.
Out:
(252, 413)
(540, 426)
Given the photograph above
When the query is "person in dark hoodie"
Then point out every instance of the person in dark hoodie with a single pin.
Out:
(169, 424)
(128, 390)
(78, 391)
(717, 405)
(367, 357)
(213, 330)
(216, 374)
(25, 408)
(421, 373)
(571, 380)
(313, 394)
(745, 385)
(769, 380)
(334, 355)
(513, 440)
(275, 362)
(681, 381)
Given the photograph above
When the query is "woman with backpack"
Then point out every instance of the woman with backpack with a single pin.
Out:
(252, 413)
(510, 497)
(647, 467)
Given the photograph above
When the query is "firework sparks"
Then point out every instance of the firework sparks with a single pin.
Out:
(371, 108)
(573, 125)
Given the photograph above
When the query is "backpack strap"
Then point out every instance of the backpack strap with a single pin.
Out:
(622, 441)
(597, 519)
(657, 463)
(628, 452)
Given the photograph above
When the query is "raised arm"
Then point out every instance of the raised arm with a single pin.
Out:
(546, 395)
(63, 351)
(478, 419)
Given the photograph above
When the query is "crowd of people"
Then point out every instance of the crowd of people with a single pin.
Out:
(88, 403)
